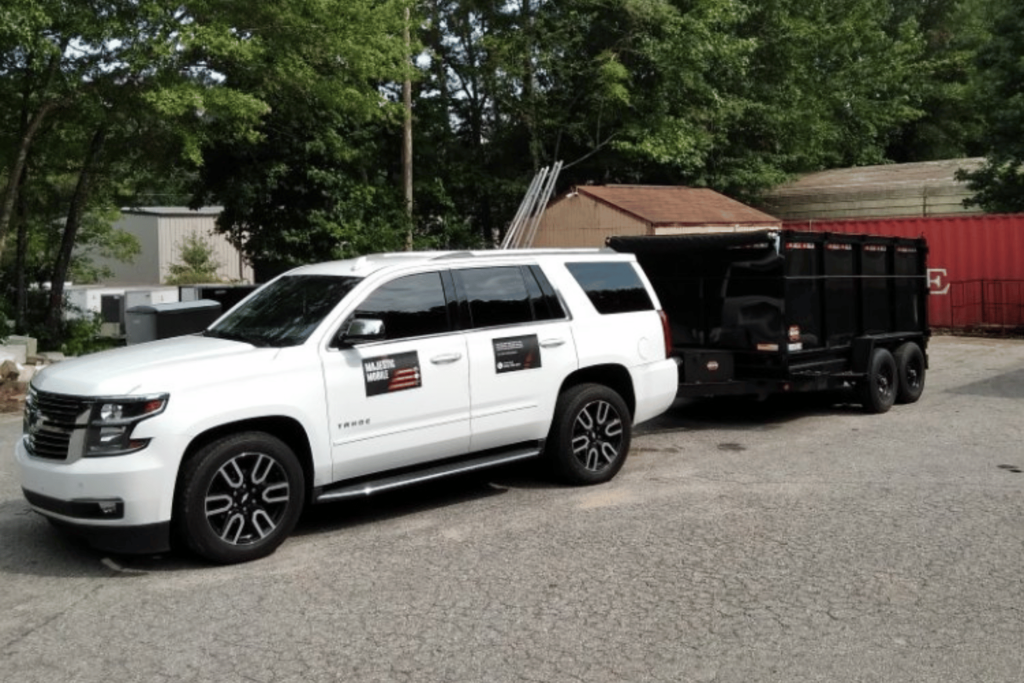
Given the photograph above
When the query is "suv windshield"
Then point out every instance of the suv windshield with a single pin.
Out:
(285, 312)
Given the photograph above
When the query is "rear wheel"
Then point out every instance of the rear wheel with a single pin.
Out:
(910, 370)
(239, 497)
(879, 386)
(590, 435)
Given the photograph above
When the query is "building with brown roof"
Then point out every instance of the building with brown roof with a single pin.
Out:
(589, 214)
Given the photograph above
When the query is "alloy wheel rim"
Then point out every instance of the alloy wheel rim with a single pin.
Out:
(247, 498)
(597, 435)
(885, 382)
(913, 375)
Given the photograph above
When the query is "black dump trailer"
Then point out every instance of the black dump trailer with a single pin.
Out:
(764, 312)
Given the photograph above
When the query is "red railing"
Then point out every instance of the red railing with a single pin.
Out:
(986, 303)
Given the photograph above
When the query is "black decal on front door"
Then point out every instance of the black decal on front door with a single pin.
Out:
(387, 374)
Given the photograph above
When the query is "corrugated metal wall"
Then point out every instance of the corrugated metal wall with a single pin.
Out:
(924, 188)
(161, 232)
(850, 204)
(975, 263)
(147, 261)
(173, 232)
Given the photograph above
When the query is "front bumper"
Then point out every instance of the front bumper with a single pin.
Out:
(148, 539)
(120, 504)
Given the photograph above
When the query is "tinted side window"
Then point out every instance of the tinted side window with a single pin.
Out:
(411, 306)
(612, 287)
(496, 296)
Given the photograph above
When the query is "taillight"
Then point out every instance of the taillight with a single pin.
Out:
(666, 332)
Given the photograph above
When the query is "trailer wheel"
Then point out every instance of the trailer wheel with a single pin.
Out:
(910, 371)
(878, 388)
(589, 436)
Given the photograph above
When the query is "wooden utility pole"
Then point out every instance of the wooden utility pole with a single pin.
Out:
(407, 134)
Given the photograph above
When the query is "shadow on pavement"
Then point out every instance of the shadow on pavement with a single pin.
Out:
(749, 413)
(404, 502)
(1008, 385)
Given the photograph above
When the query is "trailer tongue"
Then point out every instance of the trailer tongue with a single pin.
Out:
(763, 312)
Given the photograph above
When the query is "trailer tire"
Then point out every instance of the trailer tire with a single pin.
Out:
(910, 371)
(590, 435)
(878, 388)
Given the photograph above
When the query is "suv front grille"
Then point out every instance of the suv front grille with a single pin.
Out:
(51, 421)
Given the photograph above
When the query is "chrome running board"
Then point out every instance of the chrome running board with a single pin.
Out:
(368, 487)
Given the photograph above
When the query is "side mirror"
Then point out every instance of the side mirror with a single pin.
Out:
(362, 329)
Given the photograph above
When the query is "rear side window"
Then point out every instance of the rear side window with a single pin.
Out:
(612, 287)
(506, 295)
(496, 296)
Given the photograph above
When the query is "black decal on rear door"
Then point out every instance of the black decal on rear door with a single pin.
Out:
(516, 353)
(387, 374)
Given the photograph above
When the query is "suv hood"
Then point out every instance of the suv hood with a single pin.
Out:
(153, 367)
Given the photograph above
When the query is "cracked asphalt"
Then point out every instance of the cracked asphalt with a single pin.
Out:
(792, 540)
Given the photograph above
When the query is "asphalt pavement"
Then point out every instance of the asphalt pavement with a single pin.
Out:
(790, 540)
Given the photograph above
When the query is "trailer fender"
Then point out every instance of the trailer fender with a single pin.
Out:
(863, 347)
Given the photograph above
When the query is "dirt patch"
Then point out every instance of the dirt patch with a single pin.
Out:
(12, 396)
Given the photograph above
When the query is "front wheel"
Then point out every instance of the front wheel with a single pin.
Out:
(239, 497)
(589, 436)
(878, 388)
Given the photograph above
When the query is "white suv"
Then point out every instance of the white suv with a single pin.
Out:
(346, 378)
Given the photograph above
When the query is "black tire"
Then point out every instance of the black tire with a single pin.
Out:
(590, 435)
(239, 497)
(878, 388)
(910, 371)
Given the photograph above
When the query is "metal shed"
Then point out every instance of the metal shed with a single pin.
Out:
(927, 188)
(161, 231)
(589, 214)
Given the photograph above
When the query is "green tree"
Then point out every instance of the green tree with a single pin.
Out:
(620, 90)
(827, 84)
(81, 65)
(322, 179)
(287, 113)
(729, 94)
(87, 87)
(946, 80)
(999, 184)
(197, 265)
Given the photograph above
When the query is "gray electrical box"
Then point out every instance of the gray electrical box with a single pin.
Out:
(161, 321)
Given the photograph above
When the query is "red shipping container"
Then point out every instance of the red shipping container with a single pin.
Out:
(975, 263)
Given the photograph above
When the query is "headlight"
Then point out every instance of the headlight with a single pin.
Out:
(112, 421)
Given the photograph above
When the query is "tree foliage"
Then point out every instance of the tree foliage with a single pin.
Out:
(945, 80)
(311, 185)
(197, 263)
(999, 184)
(97, 98)
(288, 115)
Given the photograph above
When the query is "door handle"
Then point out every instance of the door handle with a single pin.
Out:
(445, 358)
(550, 343)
